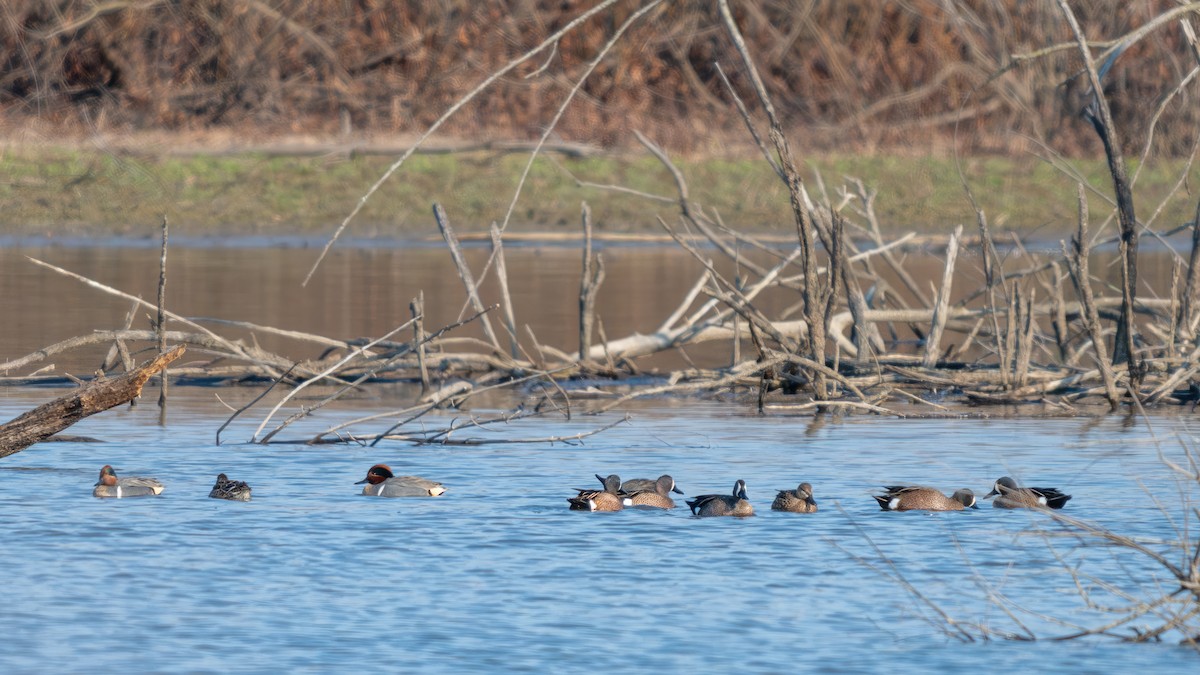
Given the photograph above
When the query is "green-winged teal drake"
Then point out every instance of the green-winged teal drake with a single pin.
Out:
(1010, 495)
(111, 486)
(658, 496)
(608, 499)
(380, 482)
(917, 498)
(647, 484)
(233, 490)
(799, 500)
(735, 504)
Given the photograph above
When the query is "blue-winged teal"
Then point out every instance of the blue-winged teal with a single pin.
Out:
(381, 483)
(608, 499)
(658, 496)
(1009, 495)
(735, 504)
(233, 490)
(799, 500)
(917, 498)
(647, 485)
(111, 486)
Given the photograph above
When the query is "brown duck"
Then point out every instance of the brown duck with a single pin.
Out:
(918, 498)
(607, 499)
(799, 500)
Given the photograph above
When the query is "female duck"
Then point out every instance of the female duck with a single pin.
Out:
(735, 504)
(111, 486)
(380, 482)
(799, 500)
(233, 490)
(658, 496)
(646, 484)
(918, 498)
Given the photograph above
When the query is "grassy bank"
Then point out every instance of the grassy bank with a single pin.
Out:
(58, 191)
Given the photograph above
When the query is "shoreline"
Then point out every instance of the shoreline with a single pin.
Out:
(911, 242)
(302, 187)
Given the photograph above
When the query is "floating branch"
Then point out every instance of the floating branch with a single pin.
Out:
(96, 396)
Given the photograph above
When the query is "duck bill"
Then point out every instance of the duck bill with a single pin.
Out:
(676, 490)
(810, 501)
(991, 494)
(974, 505)
(365, 480)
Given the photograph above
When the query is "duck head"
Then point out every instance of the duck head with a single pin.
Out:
(966, 498)
(377, 474)
(1002, 486)
(107, 476)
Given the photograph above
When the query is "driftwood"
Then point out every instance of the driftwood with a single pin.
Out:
(96, 396)
(862, 331)
(943, 302)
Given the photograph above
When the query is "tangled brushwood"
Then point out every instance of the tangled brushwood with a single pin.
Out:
(1038, 329)
(847, 75)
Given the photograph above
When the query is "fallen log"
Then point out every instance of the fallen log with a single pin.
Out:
(96, 396)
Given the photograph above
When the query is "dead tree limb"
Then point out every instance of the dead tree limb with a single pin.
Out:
(1077, 259)
(234, 348)
(464, 272)
(417, 307)
(160, 322)
(510, 320)
(95, 396)
(589, 284)
(1097, 112)
(1192, 286)
(943, 302)
(814, 290)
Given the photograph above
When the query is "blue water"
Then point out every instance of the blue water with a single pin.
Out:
(499, 575)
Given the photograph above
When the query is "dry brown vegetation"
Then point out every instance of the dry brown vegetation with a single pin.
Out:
(850, 74)
(1043, 329)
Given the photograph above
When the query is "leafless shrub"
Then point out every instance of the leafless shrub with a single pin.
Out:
(845, 74)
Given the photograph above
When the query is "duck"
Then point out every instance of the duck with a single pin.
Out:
(135, 486)
(799, 500)
(735, 504)
(658, 496)
(918, 498)
(1010, 495)
(608, 499)
(647, 484)
(381, 482)
(233, 490)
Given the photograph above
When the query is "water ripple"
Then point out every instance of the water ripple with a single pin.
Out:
(499, 574)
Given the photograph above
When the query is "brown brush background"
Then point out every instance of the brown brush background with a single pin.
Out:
(847, 74)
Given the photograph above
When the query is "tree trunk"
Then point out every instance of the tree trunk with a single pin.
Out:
(96, 396)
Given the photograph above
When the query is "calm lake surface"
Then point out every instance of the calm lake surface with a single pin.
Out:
(497, 574)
